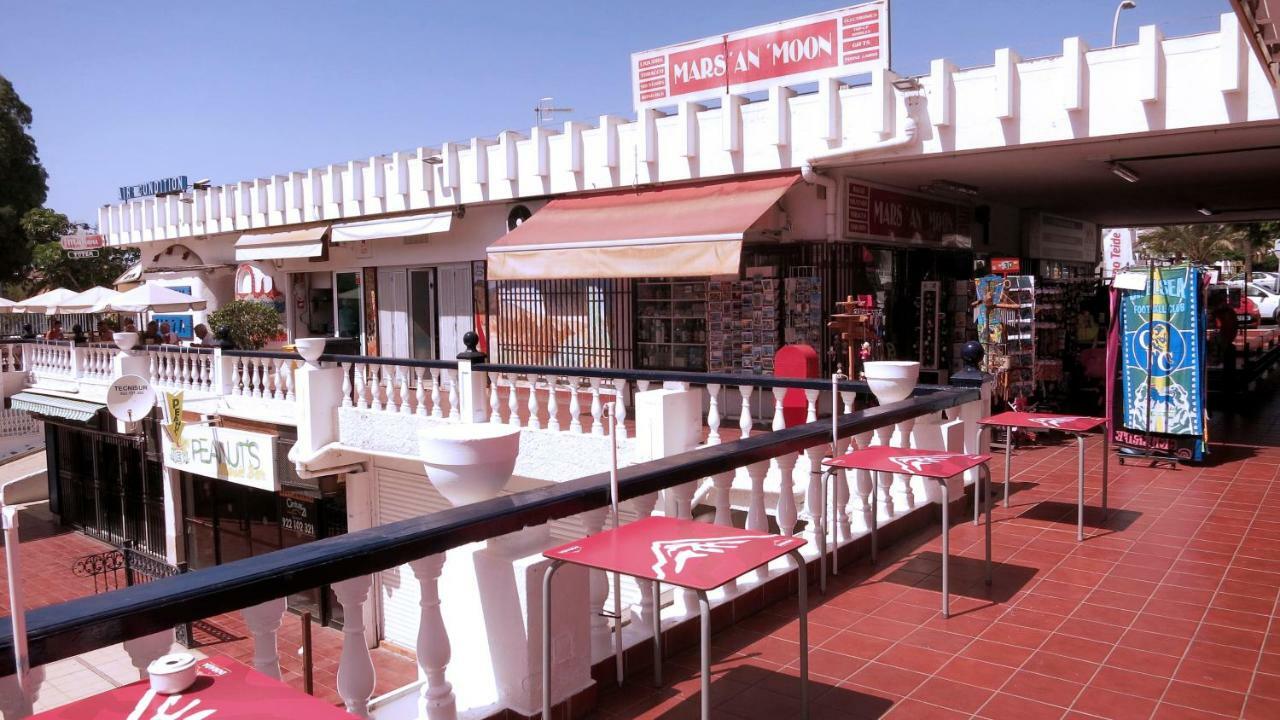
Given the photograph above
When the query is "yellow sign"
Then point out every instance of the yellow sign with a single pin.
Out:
(173, 406)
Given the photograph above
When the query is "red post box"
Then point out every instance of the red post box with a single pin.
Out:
(795, 361)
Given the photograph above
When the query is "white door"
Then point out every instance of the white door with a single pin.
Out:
(456, 308)
(393, 313)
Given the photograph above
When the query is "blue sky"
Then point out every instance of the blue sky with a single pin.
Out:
(125, 92)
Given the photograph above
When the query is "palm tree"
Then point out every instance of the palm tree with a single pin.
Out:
(1200, 244)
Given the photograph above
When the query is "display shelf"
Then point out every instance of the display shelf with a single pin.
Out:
(671, 324)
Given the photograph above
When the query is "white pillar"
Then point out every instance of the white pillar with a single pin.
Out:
(355, 666)
(436, 701)
(263, 621)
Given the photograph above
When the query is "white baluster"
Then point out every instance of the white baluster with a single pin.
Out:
(389, 387)
(152, 370)
(404, 391)
(146, 649)
(356, 677)
(784, 466)
(346, 385)
(884, 480)
(513, 402)
(436, 700)
(643, 507)
(436, 410)
(713, 414)
(495, 408)
(620, 393)
(757, 519)
(903, 494)
(862, 492)
(258, 376)
(597, 409)
(289, 394)
(455, 412)
(643, 385)
(263, 621)
(276, 369)
(575, 407)
(236, 388)
(377, 375)
(535, 422)
(813, 492)
(598, 593)
(553, 404)
(359, 377)
(420, 395)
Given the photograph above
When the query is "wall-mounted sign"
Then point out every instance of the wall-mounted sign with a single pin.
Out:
(876, 213)
(930, 321)
(1117, 250)
(82, 239)
(1050, 237)
(837, 43)
(238, 456)
(1006, 266)
(162, 186)
(82, 254)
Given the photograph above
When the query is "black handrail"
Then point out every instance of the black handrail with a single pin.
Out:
(404, 362)
(189, 349)
(60, 631)
(267, 354)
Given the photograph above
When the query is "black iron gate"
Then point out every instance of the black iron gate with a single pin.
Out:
(126, 567)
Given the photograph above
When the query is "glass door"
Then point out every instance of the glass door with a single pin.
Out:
(348, 306)
(422, 313)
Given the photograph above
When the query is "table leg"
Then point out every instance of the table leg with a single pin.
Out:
(946, 552)
(831, 511)
(984, 474)
(655, 612)
(822, 541)
(704, 609)
(803, 602)
(875, 513)
(1106, 462)
(1008, 462)
(1080, 489)
(978, 504)
(546, 637)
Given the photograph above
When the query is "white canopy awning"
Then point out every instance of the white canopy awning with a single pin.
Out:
(303, 243)
(404, 226)
(45, 302)
(84, 302)
(149, 298)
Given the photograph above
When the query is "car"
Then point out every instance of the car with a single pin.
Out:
(1247, 314)
(1267, 280)
(1266, 299)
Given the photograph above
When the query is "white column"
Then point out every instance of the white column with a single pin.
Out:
(263, 621)
(436, 701)
(355, 667)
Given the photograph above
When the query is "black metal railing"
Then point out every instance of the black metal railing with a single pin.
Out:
(67, 629)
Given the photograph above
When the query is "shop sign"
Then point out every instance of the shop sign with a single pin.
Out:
(1006, 266)
(238, 456)
(837, 43)
(82, 239)
(82, 254)
(877, 213)
(1057, 238)
(297, 516)
(1117, 250)
(930, 317)
(175, 184)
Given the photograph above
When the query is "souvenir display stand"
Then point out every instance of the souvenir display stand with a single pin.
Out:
(1005, 317)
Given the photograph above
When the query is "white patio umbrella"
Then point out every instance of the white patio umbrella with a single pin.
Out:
(46, 302)
(6, 305)
(84, 302)
(149, 298)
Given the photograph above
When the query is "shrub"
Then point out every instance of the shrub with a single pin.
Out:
(250, 325)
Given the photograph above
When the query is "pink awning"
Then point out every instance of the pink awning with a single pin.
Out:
(687, 230)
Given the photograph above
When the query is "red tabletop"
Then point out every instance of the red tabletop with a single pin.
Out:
(1044, 421)
(688, 554)
(938, 464)
(224, 689)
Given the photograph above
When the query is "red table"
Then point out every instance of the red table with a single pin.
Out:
(224, 690)
(693, 555)
(938, 465)
(1077, 425)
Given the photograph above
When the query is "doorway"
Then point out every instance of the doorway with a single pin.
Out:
(422, 313)
(348, 306)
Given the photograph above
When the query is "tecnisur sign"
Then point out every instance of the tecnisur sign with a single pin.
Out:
(238, 456)
(174, 184)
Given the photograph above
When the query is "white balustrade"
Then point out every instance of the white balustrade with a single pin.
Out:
(263, 621)
(355, 666)
(436, 701)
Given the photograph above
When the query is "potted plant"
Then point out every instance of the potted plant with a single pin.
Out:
(248, 325)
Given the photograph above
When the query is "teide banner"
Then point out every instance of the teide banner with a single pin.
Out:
(837, 43)
(1163, 354)
(238, 456)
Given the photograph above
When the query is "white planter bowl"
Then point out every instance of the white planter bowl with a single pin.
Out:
(171, 674)
(126, 341)
(469, 462)
(310, 348)
(892, 380)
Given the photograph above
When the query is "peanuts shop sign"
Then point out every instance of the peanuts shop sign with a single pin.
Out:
(832, 44)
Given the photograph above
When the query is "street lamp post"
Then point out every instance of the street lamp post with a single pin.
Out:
(1115, 22)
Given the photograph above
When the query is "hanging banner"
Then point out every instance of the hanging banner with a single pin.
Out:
(1161, 337)
(1117, 250)
(837, 43)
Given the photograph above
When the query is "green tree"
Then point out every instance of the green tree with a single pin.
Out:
(23, 181)
(51, 267)
(250, 324)
(1201, 243)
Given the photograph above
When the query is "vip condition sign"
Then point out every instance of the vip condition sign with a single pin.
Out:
(238, 456)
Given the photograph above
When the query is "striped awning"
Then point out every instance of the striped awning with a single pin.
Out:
(58, 407)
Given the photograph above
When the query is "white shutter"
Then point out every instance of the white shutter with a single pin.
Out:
(454, 299)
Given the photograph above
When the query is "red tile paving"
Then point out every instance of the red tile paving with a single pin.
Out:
(1167, 611)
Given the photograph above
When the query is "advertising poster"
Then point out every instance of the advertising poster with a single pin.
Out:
(1162, 354)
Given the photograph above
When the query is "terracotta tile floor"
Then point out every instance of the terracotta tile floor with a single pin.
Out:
(1166, 611)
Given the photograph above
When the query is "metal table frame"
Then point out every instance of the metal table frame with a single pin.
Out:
(1080, 442)
(704, 608)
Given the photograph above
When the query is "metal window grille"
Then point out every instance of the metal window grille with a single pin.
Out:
(567, 323)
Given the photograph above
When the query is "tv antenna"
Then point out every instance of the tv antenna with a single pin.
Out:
(546, 110)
